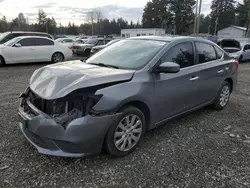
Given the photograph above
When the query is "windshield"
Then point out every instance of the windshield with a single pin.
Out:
(112, 42)
(128, 54)
(2, 37)
(59, 40)
(230, 44)
(11, 42)
(91, 41)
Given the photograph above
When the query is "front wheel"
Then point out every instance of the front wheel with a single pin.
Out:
(125, 134)
(223, 96)
(2, 62)
(57, 57)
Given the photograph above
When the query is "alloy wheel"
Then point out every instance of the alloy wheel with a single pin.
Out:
(57, 58)
(224, 95)
(128, 132)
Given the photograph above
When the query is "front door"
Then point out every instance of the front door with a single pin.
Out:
(23, 53)
(246, 52)
(177, 93)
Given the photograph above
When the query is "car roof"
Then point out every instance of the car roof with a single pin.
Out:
(172, 39)
(24, 37)
(27, 32)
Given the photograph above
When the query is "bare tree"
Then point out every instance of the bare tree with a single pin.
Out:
(94, 16)
(90, 19)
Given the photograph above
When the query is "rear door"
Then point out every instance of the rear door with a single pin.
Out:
(212, 70)
(44, 49)
(24, 53)
(177, 93)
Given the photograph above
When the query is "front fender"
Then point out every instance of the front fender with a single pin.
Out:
(114, 97)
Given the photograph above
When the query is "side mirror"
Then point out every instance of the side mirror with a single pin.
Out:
(17, 45)
(168, 67)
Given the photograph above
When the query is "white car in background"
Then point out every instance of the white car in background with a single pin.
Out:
(66, 41)
(33, 49)
(243, 54)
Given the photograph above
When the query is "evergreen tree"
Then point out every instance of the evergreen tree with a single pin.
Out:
(222, 13)
(242, 13)
(169, 13)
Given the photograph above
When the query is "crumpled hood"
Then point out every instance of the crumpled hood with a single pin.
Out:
(58, 80)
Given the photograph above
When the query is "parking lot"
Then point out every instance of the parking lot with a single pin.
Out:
(204, 149)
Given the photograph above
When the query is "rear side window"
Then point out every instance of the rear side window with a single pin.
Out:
(68, 40)
(27, 42)
(219, 52)
(183, 54)
(44, 42)
(205, 52)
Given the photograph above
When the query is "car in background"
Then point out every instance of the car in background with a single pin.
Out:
(98, 48)
(66, 41)
(229, 45)
(60, 36)
(5, 37)
(80, 41)
(74, 109)
(82, 37)
(243, 54)
(33, 49)
(84, 49)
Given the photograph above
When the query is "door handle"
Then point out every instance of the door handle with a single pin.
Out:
(194, 78)
(220, 71)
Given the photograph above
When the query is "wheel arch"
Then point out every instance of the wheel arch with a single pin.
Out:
(142, 106)
(4, 62)
(230, 81)
(58, 52)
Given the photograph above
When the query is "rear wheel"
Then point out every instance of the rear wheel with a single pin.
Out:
(57, 57)
(223, 96)
(2, 62)
(125, 134)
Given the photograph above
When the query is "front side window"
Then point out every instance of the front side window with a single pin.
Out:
(91, 41)
(128, 54)
(182, 54)
(27, 42)
(205, 52)
(43, 42)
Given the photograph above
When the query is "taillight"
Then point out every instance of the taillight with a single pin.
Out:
(236, 63)
(70, 48)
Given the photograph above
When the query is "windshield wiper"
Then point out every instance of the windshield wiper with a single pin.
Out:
(105, 65)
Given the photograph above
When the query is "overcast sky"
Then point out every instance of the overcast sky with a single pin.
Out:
(65, 11)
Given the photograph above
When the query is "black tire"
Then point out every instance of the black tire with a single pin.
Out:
(109, 143)
(218, 104)
(57, 57)
(2, 62)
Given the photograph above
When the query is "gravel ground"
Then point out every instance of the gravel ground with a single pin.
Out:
(203, 149)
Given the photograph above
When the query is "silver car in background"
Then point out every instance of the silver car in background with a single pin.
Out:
(74, 109)
(243, 54)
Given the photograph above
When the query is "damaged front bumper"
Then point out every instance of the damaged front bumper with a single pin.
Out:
(82, 136)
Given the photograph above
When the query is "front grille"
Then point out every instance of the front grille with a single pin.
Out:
(63, 109)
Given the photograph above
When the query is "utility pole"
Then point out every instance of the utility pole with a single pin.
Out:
(247, 34)
(198, 21)
(195, 18)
